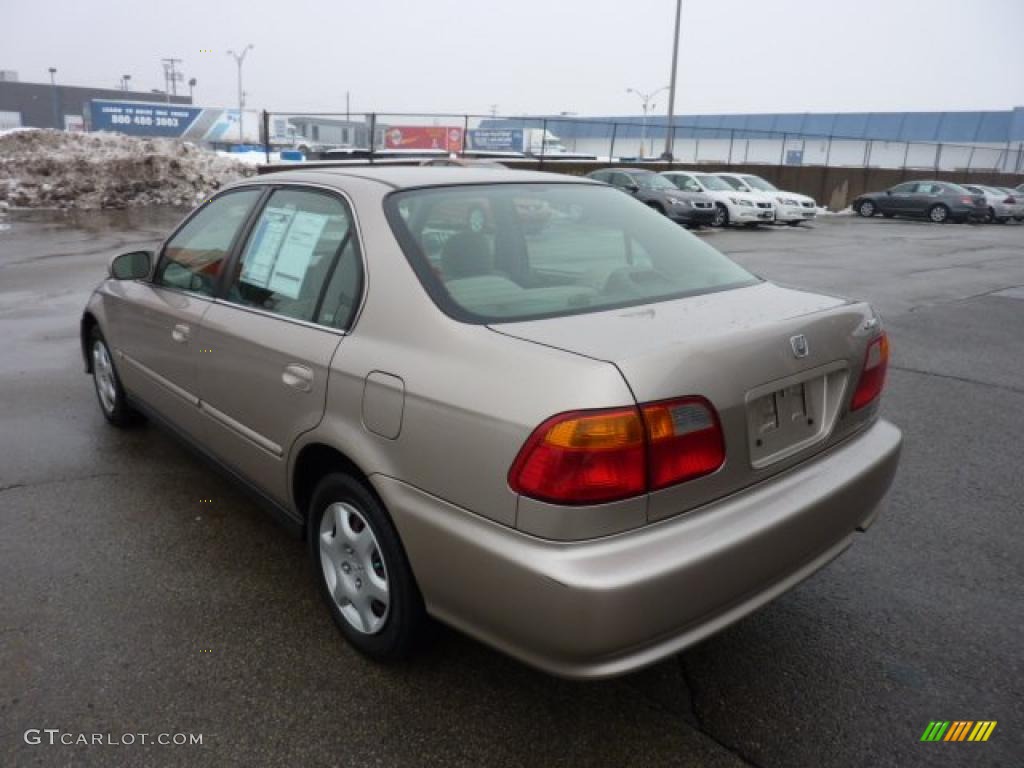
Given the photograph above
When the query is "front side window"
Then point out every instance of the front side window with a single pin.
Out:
(301, 260)
(592, 249)
(904, 189)
(714, 184)
(195, 255)
(735, 183)
(756, 182)
(654, 181)
(687, 183)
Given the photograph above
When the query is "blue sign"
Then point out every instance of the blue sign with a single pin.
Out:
(495, 139)
(142, 119)
(794, 157)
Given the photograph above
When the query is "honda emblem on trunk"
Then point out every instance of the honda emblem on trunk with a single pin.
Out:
(799, 345)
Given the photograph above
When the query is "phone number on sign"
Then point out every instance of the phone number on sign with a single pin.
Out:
(169, 122)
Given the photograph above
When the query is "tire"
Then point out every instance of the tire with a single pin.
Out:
(794, 223)
(938, 214)
(109, 392)
(867, 209)
(990, 217)
(358, 557)
(721, 216)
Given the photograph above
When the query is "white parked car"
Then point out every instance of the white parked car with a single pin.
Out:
(790, 207)
(1017, 204)
(1002, 206)
(731, 207)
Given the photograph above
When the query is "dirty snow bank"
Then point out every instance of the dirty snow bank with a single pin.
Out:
(58, 169)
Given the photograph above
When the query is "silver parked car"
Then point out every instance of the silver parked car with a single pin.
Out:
(589, 446)
(1001, 206)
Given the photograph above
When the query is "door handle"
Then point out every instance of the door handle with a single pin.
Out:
(298, 377)
(180, 333)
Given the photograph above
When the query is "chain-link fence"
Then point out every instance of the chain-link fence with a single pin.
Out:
(340, 135)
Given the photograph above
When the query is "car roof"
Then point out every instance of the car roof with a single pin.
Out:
(411, 176)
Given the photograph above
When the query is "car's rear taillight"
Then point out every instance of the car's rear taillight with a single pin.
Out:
(968, 200)
(872, 378)
(685, 440)
(583, 457)
(1010, 201)
(595, 457)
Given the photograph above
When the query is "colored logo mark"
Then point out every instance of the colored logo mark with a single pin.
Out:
(958, 730)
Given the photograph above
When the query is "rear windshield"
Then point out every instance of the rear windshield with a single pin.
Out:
(506, 252)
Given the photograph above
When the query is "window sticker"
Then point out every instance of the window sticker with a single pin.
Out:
(295, 253)
(282, 248)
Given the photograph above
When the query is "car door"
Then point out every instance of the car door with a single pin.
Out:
(154, 328)
(625, 182)
(924, 197)
(267, 344)
(898, 199)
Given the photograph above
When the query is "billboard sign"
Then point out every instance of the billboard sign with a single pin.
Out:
(495, 139)
(447, 138)
(178, 121)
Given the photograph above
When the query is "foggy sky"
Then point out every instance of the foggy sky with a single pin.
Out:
(538, 56)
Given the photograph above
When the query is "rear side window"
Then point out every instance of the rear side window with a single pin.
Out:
(547, 250)
(195, 255)
(301, 259)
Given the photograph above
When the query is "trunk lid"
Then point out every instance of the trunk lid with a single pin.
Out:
(781, 398)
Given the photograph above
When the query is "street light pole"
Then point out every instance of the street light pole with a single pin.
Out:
(124, 82)
(645, 98)
(669, 133)
(53, 83)
(239, 59)
(191, 86)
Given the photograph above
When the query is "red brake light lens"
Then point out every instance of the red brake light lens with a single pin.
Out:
(583, 457)
(967, 200)
(685, 440)
(872, 378)
(595, 457)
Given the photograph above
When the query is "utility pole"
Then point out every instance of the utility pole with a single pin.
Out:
(171, 76)
(124, 82)
(53, 84)
(348, 116)
(191, 87)
(239, 59)
(648, 106)
(669, 133)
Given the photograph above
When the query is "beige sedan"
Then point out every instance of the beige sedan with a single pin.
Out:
(589, 446)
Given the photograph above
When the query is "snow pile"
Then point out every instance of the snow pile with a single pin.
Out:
(59, 169)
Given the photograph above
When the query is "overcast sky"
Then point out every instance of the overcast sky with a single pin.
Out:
(538, 56)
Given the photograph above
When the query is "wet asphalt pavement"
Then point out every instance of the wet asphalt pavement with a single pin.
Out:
(128, 606)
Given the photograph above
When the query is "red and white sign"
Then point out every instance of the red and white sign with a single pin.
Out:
(447, 138)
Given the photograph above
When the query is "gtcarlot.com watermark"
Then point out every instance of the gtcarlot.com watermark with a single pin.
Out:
(56, 736)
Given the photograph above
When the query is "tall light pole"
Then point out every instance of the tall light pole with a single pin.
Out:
(191, 86)
(124, 82)
(646, 98)
(53, 83)
(239, 59)
(667, 155)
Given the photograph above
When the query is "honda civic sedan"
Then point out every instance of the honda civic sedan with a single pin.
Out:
(589, 447)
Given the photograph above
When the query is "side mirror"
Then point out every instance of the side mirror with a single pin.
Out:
(888, 191)
(632, 188)
(131, 266)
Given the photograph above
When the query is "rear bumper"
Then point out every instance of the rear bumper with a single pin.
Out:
(605, 607)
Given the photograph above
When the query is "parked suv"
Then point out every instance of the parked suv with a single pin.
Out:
(589, 449)
(689, 208)
(939, 201)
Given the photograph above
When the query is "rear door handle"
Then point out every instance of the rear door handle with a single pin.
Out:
(298, 377)
(180, 333)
